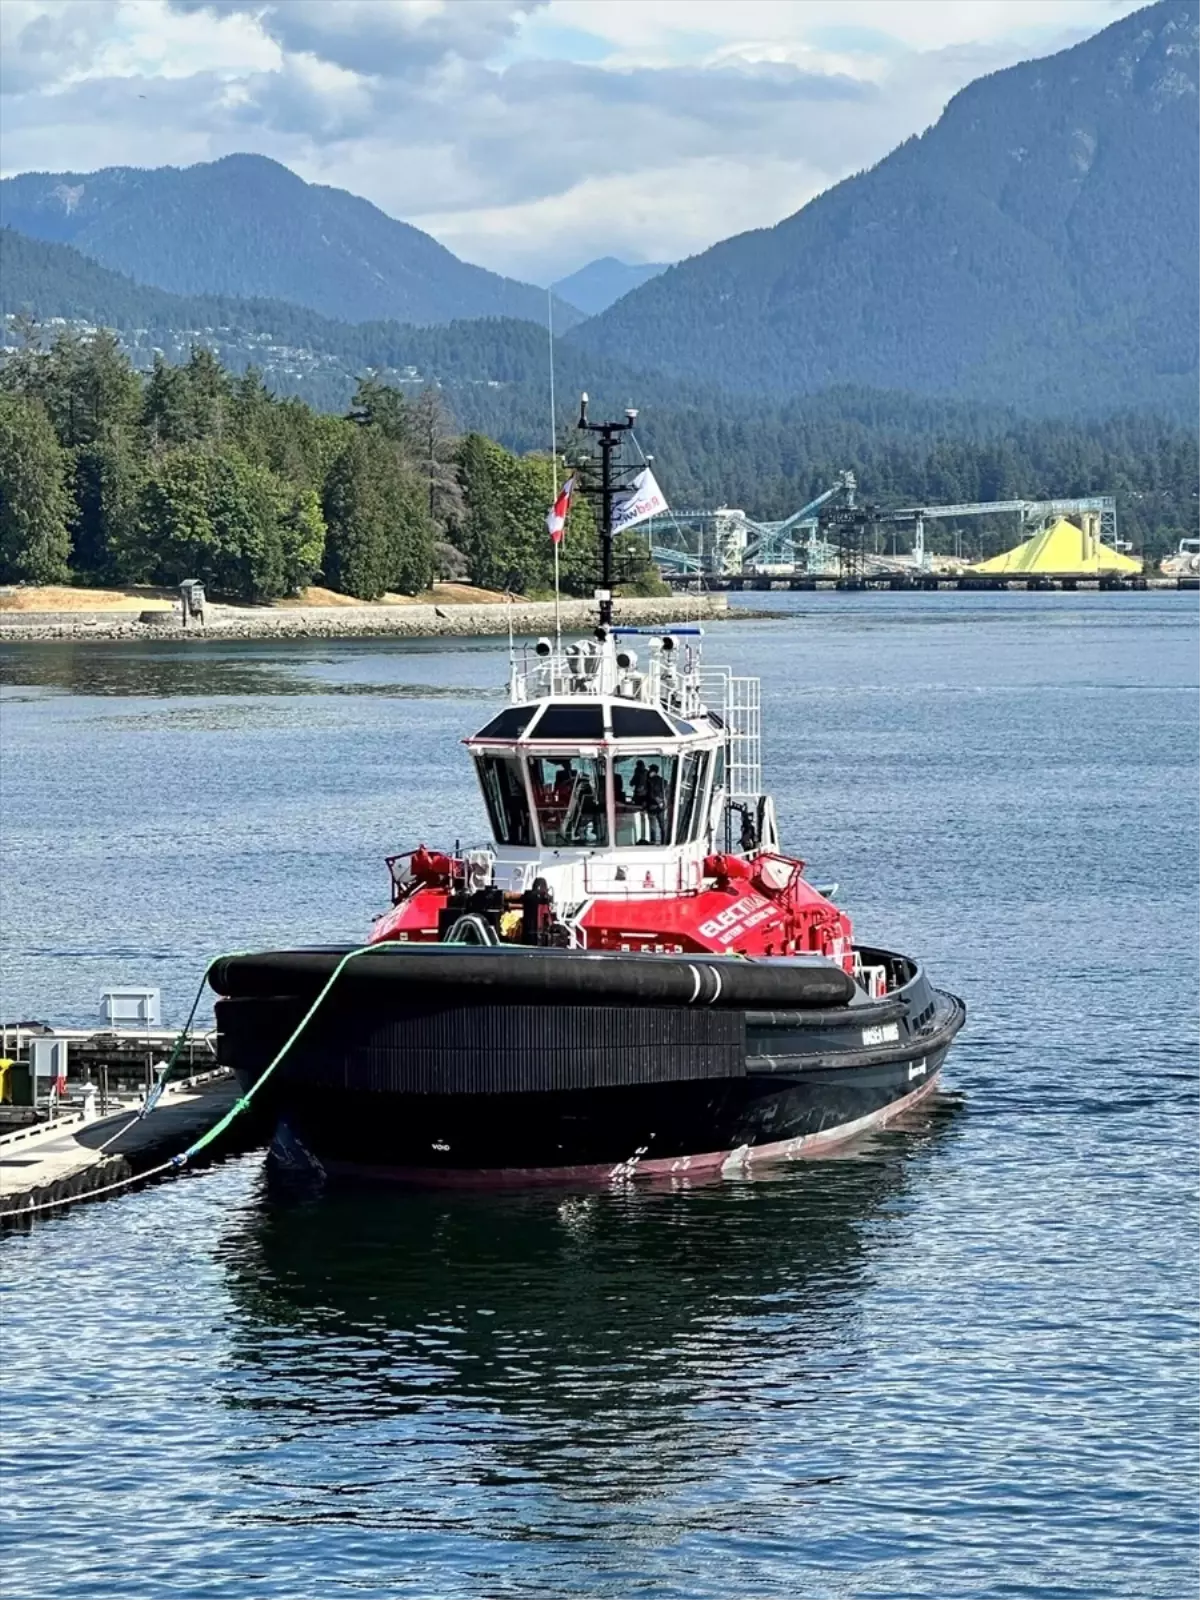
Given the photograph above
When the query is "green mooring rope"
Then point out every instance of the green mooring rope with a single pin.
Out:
(242, 1103)
(165, 1071)
(178, 1162)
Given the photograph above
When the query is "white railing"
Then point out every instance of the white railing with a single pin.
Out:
(670, 680)
(738, 702)
(561, 672)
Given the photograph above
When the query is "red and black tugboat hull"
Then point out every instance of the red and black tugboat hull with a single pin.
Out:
(492, 1067)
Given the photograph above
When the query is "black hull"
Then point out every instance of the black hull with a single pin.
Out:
(395, 1080)
(727, 1127)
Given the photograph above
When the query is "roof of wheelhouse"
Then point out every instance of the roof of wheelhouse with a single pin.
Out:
(589, 720)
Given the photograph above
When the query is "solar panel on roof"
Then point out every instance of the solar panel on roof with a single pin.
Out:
(510, 723)
(639, 722)
(570, 722)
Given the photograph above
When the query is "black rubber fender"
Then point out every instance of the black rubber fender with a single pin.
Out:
(531, 976)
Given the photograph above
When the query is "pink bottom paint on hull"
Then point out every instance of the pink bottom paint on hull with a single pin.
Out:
(731, 1163)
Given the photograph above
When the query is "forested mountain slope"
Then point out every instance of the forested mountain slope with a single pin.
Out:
(1037, 246)
(297, 350)
(248, 226)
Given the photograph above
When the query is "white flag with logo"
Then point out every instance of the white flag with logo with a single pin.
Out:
(642, 499)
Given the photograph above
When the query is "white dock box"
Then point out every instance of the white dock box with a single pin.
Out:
(129, 1008)
(47, 1059)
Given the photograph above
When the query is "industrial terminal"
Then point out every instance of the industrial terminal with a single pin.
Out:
(839, 541)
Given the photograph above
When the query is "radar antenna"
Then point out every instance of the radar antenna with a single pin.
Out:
(609, 435)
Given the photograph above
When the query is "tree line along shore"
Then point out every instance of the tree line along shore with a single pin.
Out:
(113, 478)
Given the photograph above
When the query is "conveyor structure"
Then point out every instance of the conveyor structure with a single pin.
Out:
(724, 541)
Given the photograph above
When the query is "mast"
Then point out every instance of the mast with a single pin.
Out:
(609, 434)
(554, 464)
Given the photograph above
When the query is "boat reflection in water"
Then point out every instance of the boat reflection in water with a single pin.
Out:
(427, 1359)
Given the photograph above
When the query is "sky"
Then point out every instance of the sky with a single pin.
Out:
(529, 136)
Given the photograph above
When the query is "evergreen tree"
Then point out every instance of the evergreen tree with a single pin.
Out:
(377, 535)
(166, 409)
(220, 518)
(380, 405)
(93, 396)
(88, 387)
(356, 546)
(480, 531)
(107, 480)
(210, 395)
(34, 503)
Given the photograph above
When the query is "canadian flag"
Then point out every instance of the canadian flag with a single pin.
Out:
(556, 517)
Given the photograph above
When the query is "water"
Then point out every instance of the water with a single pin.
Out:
(959, 1363)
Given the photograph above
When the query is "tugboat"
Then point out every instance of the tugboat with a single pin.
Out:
(631, 978)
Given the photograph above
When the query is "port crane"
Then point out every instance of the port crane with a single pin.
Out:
(725, 542)
(1029, 514)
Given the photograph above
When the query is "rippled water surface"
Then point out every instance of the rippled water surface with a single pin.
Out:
(959, 1362)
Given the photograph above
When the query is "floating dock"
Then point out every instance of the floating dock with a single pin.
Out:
(46, 1164)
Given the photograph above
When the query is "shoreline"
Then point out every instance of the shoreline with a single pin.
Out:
(461, 620)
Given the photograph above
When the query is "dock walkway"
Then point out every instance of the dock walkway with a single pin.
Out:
(67, 1158)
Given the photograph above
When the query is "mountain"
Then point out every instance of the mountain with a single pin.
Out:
(594, 287)
(1037, 246)
(486, 364)
(769, 455)
(248, 226)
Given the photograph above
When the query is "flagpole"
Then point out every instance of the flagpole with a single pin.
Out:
(553, 461)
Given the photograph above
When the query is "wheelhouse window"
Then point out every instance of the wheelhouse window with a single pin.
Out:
(505, 798)
(691, 795)
(644, 798)
(719, 768)
(570, 796)
(638, 722)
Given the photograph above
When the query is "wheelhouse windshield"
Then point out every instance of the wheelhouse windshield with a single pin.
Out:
(569, 793)
(656, 798)
(644, 796)
(691, 796)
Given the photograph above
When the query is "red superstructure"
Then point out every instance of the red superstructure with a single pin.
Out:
(760, 905)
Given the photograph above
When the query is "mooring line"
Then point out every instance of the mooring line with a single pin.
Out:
(177, 1163)
(17, 1213)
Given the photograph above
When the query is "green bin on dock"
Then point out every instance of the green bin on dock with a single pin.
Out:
(16, 1082)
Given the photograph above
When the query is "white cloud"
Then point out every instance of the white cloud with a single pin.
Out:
(43, 41)
(655, 220)
(151, 40)
(529, 135)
